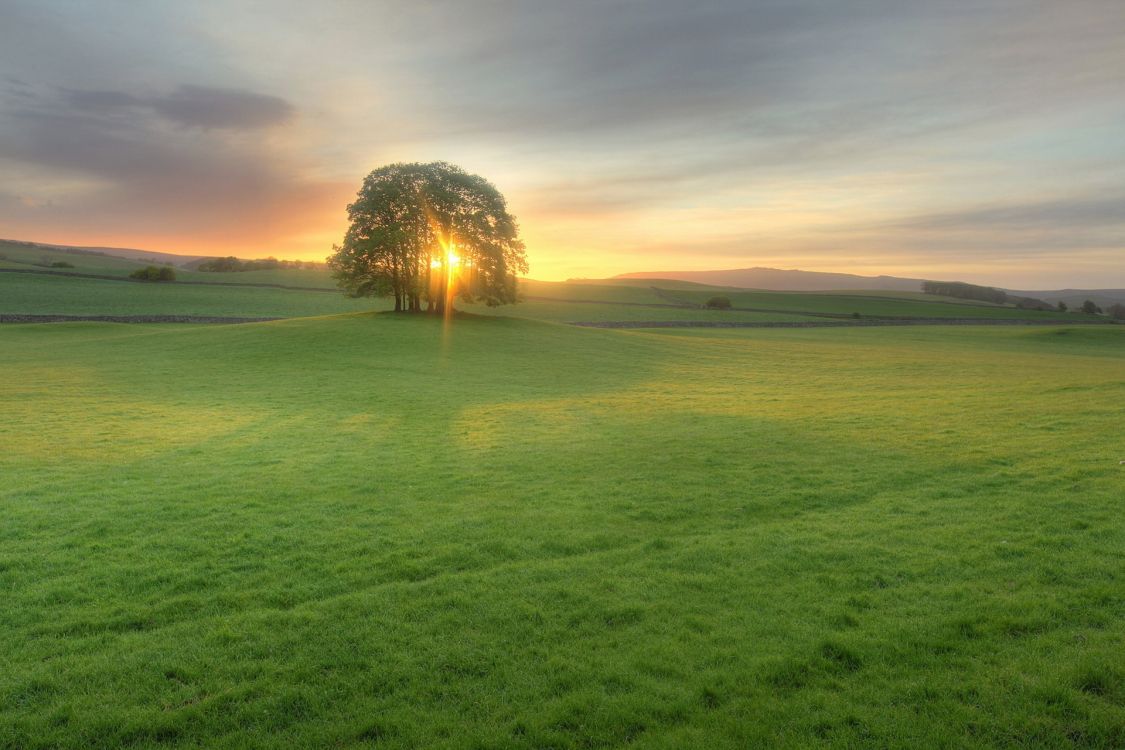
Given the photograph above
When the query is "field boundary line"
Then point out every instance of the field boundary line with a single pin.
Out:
(110, 277)
(19, 318)
(870, 322)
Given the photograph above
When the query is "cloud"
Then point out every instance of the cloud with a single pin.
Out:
(187, 169)
(195, 106)
(905, 132)
(1067, 214)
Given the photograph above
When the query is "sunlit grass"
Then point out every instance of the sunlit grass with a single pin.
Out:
(362, 531)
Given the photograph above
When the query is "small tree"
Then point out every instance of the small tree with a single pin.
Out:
(719, 303)
(1062, 306)
(1090, 307)
(154, 273)
(1030, 303)
(1117, 311)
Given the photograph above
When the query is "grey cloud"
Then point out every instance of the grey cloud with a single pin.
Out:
(146, 174)
(716, 68)
(195, 106)
(577, 68)
(1082, 212)
(207, 107)
(101, 100)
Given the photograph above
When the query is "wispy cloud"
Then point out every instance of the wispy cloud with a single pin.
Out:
(195, 106)
(1067, 214)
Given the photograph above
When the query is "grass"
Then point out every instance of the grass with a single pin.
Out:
(60, 295)
(19, 256)
(873, 304)
(549, 301)
(371, 531)
(582, 312)
(906, 304)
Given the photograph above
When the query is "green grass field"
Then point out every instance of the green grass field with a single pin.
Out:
(899, 304)
(42, 294)
(377, 531)
(17, 255)
(582, 312)
(567, 302)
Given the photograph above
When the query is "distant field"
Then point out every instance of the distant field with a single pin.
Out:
(16, 255)
(619, 300)
(573, 312)
(42, 294)
(581, 291)
(562, 302)
(22, 256)
(906, 304)
(379, 531)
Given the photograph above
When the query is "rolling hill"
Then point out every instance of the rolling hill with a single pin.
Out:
(780, 280)
(115, 261)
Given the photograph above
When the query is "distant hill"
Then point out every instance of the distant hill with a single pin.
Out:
(783, 280)
(143, 256)
(771, 279)
(1075, 297)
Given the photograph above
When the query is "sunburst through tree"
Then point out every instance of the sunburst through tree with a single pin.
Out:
(428, 234)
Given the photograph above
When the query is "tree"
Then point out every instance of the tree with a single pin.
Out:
(429, 233)
(154, 273)
(719, 303)
(965, 291)
(1062, 306)
(1117, 311)
(1030, 303)
(1090, 307)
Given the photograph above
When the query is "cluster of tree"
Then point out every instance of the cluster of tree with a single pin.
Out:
(1091, 308)
(427, 234)
(231, 264)
(1116, 311)
(48, 262)
(719, 303)
(154, 273)
(961, 290)
(1030, 303)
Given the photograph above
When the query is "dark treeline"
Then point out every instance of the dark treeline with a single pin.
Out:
(154, 273)
(961, 290)
(1030, 303)
(230, 264)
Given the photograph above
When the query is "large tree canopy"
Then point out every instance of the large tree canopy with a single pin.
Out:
(429, 233)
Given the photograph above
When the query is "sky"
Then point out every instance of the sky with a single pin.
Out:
(981, 140)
